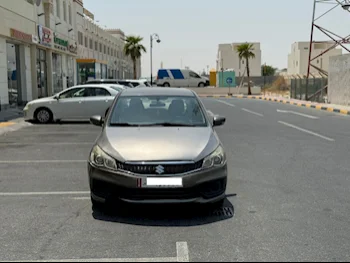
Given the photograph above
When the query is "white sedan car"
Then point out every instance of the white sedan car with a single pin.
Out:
(75, 103)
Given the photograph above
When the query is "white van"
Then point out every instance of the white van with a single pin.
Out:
(180, 78)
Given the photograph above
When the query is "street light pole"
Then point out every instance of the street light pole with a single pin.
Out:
(152, 37)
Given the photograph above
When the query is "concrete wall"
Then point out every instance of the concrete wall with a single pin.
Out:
(339, 80)
(299, 57)
(225, 91)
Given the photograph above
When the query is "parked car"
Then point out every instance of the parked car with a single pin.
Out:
(75, 103)
(180, 78)
(138, 82)
(157, 145)
(110, 81)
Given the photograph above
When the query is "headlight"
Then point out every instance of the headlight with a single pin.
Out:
(101, 159)
(28, 105)
(217, 158)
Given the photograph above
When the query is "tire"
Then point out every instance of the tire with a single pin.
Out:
(43, 115)
(201, 85)
(166, 84)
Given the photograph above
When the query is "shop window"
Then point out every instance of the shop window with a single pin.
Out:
(80, 38)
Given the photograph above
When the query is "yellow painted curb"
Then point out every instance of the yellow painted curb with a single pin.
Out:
(6, 124)
(308, 105)
(318, 107)
(344, 111)
(330, 109)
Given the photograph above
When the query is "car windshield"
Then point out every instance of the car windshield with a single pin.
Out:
(158, 111)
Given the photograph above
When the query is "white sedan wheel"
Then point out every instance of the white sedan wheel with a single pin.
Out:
(43, 116)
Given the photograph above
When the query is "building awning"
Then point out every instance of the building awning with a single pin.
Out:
(91, 60)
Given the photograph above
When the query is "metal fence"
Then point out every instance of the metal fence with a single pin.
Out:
(316, 89)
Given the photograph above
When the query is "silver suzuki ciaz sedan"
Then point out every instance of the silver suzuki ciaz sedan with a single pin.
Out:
(157, 145)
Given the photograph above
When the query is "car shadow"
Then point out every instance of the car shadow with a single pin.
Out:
(61, 123)
(165, 215)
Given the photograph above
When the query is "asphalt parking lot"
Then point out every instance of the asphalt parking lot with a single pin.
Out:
(288, 195)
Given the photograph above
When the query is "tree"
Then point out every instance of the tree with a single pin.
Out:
(267, 70)
(245, 51)
(134, 49)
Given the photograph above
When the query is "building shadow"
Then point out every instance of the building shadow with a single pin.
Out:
(165, 215)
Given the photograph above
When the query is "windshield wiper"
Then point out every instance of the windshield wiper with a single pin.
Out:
(170, 124)
(124, 124)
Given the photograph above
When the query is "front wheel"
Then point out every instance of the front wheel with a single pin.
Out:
(43, 115)
(166, 84)
(201, 85)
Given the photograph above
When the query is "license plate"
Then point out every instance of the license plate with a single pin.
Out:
(151, 182)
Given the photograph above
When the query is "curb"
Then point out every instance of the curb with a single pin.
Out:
(285, 101)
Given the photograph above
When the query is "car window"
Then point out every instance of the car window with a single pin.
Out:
(116, 88)
(96, 92)
(194, 75)
(157, 110)
(135, 84)
(73, 93)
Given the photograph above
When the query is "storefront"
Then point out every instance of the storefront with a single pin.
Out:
(17, 50)
(89, 69)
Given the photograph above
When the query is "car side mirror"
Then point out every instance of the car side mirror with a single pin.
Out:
(218, 121)
(57, 97)
(97, 120)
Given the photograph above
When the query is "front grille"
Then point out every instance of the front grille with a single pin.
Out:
(206, 190)
(168, 168)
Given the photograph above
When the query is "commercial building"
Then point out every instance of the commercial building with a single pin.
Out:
(44, 44)
(228, 59)
(100, 51)
(298, 59)
(37, 49)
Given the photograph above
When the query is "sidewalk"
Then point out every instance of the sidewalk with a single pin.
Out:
(10, 114)
(301, 103)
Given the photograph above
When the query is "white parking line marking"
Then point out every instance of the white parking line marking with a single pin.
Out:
(226, 103)
(80, 198)
(42, 161)
(307, 131)
(253, 112)
(298, 113)
(182, 252)
(44, 193)
(182, 255)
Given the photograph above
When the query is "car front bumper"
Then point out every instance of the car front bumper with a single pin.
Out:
(201, 187)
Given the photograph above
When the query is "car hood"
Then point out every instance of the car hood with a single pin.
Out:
(46, 99)
(158, 143)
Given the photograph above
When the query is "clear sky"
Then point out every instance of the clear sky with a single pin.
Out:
(191, 30)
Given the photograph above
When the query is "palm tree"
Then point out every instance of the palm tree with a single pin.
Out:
(245, 51)
(134, 49)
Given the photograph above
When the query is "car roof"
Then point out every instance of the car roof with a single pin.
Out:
(92, 85)
(153, 91)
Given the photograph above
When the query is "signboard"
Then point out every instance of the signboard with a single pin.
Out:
(21, 35)
(73, 48)
(88, 14)
(44, 36)
(60, 43)
(229, 81)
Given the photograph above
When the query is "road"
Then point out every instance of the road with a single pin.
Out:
(288, 194)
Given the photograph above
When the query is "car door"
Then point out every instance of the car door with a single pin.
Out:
(97, 102)
(194, 80)
(70, 104)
